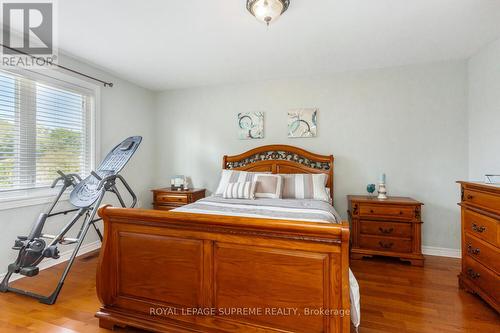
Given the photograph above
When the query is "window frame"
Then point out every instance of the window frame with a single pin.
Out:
(43, 195)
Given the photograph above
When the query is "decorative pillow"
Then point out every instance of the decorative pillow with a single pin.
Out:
(330, 199)
(305, 186)
(235, 176)
(245, 190)
(268, 186)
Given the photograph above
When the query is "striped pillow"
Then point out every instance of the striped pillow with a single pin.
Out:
(305, 186)
(244, 190)
(268, 186)
(234, 176)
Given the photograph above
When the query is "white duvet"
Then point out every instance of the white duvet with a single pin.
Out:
(294, 209)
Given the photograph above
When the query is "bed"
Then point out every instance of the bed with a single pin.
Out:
(222, 265)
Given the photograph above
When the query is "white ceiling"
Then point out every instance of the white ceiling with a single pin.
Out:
(167, 44)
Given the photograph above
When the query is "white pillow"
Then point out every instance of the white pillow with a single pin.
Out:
(234, 176)
(330, 199)
(305, 186)
(268, 186)
(244, 190)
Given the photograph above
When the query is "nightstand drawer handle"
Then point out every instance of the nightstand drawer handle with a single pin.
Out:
(470, 197)
(472, 274)
(385, 245)
(400, 212)
(472, 250)
(386, 231)
(477, 228)
(371, 211)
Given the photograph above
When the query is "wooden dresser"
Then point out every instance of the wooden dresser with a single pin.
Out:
(167, 199)
(481, 241)
(390, 227)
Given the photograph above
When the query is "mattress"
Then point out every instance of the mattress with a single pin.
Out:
(284, 209)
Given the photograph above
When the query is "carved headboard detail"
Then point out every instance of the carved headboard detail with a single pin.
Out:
(282, 159)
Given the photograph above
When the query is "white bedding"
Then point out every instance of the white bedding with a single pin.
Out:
(294, 209)
(286, 209)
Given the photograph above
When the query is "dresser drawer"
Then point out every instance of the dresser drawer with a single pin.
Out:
(482, 199)
(482, 252)
(387, 211)
(385, 243)
(481, 226)
(172, 198)
(484, 278)
(166, 207)
(386, 228)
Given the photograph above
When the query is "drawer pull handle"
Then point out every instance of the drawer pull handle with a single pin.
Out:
(400, 212)
(385, 245)
(371, 211)
(477, 228)
(470, 197)
(472, 274)
(471, 250)
(386, 231)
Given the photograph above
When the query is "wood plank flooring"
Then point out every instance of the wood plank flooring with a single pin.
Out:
(395, 297)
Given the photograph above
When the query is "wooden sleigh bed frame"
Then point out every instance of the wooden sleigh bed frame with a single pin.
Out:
(183, 272)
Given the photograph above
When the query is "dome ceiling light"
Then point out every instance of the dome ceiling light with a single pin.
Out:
(267, 11)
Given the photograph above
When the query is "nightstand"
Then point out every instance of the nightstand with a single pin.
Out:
(390, 227)
(167, 199)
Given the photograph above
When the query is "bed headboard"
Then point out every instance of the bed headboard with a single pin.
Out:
(282, 159)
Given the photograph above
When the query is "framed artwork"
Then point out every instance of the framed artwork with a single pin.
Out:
(302, 123)
(250, 125)
(178, 182)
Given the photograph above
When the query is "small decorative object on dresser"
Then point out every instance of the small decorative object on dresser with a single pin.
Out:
(390, 227)
(178, 182)
(167, 199)
(382, 190)
(370, 188)
(480, 273)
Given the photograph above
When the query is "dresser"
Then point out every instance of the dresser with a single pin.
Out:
(480, 206)
(390, 227)
(167, 199)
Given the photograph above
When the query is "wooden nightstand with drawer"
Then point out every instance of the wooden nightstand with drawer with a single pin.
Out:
(390, 227)
(167, 199)
(480, 273)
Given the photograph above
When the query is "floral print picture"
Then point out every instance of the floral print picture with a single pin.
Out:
(302, 123)
(250, 125)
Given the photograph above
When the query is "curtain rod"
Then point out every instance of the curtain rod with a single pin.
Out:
(106, 84)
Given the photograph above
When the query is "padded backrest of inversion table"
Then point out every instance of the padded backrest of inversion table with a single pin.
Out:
(85, 193)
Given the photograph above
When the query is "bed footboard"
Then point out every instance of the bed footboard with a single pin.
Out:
(179, 272)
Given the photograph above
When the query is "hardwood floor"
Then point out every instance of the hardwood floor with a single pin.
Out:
(395, 297)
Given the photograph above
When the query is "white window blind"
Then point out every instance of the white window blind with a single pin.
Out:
(44, 127)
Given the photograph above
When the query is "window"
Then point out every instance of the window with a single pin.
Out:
(45, 126)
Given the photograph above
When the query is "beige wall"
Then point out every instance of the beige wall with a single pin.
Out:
(484, 112)
(126, 110)
(409, 122)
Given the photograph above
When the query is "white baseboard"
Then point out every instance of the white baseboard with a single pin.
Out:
(441, 252)
(64, 256)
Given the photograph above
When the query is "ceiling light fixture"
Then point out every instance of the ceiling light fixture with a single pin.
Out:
(267, 11)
